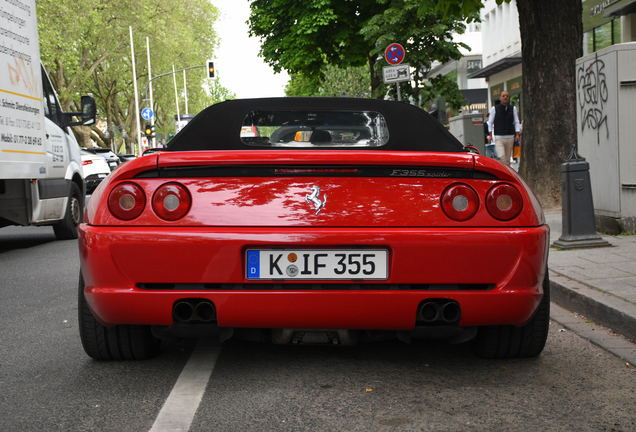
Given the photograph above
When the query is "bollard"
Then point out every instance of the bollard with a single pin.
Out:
(578, 223)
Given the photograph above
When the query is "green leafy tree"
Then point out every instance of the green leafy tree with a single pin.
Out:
(303, 37)
(552, 40)
(349, 82)
(301, 85)
(331, 42)
(426, 37)
(85, 47)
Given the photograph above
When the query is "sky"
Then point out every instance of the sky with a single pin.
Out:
(237, 63)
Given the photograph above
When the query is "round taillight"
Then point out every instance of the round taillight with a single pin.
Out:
(126, 201)
(460, 202)
(504, 202)
(171, 201)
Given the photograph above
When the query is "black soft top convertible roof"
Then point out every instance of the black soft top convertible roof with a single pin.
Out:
(218, 127)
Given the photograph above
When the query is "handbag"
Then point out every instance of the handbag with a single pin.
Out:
(516, 150)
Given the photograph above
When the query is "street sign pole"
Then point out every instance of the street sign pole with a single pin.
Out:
(397, 74)
(394, 55)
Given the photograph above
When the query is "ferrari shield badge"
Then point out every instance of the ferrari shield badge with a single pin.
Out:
(314, 197)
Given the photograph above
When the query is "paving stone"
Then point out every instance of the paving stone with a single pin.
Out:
(597, 271)
(603, 258)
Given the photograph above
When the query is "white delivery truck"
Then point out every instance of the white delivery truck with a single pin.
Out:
(41, 179)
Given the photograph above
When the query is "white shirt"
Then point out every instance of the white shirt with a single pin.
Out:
(491, 121)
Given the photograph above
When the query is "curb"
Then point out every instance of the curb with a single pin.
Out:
(604, 309)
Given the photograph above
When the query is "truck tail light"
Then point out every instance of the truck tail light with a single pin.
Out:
(87, 162)
(171, 201)
(504, 202)
(126, 201)
(460, 202)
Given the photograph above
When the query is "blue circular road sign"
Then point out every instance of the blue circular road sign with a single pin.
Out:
(147, 113)
(394, 54)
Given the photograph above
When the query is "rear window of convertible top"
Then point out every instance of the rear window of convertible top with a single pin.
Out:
(309, 129)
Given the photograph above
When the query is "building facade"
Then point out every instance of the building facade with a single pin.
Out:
(605, 23)
(475, 91)
(501, 44)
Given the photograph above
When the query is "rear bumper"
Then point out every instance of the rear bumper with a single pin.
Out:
(116, 260)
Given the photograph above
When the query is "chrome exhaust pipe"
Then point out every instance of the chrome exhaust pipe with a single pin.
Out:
(205, 312)
(451, 312)
(183, 311)
(430, 312)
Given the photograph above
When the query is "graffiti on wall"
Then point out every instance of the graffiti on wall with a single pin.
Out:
(592, 96)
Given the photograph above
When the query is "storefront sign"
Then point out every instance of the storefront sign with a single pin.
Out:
(514, 85)
(495, 92)
(599, 8)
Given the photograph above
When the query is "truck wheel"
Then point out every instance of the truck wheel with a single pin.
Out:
(504, 341)
(120, 342)
(66, 229)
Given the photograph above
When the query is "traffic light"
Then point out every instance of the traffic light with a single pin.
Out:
(210, 69)
(148, 130)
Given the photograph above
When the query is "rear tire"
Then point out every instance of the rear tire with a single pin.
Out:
(66, 229)
(120, 342)
(505, 341)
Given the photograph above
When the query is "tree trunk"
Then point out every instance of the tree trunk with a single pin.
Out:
(376, 80)
(552, 38)
(83, 135)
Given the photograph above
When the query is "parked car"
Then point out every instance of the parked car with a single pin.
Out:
(126, 157)
(95, 170)
(111, 158)
(152, 150)
(338, 221)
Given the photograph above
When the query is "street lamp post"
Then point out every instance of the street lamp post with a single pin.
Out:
(115, 128)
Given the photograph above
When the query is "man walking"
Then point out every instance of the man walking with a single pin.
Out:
(504, 126)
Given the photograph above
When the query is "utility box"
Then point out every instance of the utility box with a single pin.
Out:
(606, 109)
(469, 130)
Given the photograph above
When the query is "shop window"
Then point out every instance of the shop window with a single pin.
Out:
(473, 66)
(616, 31)
(603, 36)
(588, 42)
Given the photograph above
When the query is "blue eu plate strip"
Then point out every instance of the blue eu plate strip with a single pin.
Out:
(253, 264)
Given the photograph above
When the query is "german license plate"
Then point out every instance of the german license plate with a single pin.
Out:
(359, 264)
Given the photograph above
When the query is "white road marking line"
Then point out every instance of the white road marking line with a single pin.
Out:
(178, 411)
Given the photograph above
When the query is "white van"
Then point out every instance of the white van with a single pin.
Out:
(41, 178)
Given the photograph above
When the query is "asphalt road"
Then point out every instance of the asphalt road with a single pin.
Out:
(47, 383)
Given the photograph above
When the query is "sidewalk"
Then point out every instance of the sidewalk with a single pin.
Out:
(597, 283)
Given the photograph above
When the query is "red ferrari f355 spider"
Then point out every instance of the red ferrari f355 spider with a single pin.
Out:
(332, 221)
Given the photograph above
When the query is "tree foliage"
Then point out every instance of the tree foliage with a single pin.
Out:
(303, 37)
(331, 42)
(300, 85)
(85, 47)
(426, 37)
(348, 82)
(455, 8)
